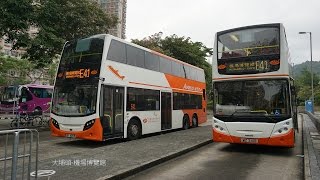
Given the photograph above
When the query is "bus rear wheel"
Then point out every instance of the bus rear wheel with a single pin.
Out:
(134, 130)
(194, 121)
(186, 124)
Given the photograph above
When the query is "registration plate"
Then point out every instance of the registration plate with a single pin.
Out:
(70, 135)
(249, 140)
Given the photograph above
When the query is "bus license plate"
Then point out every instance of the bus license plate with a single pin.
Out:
(70, 135)
(249, 140)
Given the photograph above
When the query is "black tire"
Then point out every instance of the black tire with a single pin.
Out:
(14, 124)
(134, 129)
(37, 111)
(194, 120)
(186, 124)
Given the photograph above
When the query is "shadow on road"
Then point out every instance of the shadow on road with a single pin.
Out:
(90, 144)
(258, 149)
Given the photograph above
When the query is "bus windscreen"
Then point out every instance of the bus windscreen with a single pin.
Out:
(239, 100)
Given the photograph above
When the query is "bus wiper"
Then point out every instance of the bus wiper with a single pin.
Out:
(232, 115)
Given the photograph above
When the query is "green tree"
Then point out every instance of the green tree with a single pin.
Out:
(153, 42)
(57, 21)
(181, 48)
(303, 86)
(25, 71)
(16, 18)
(23, 68)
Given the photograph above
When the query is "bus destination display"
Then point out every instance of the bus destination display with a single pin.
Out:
(247, 67)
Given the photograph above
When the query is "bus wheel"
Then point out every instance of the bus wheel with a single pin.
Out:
(38, 111)
(186, 123)
(134, 129)
(194, 121)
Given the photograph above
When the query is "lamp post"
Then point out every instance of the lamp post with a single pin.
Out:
(312, 95)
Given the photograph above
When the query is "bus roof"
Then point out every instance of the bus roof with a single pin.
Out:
(38, 86)
(249, 27)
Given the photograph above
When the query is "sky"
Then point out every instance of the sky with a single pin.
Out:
(201, 19)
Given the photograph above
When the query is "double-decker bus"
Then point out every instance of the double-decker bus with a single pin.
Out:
(109, 88)
(28, 99)
(253, 92)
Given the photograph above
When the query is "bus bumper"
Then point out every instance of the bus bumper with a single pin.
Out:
(94, 133)
(285, 140)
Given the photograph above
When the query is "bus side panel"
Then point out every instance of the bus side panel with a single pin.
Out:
(177, 119)
(150, 120)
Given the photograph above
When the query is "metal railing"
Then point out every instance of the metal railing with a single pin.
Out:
(18, 163)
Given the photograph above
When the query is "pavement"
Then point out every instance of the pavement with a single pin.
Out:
(311, 139)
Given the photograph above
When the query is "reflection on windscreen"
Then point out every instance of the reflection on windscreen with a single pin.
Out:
(9, 93)
(74, 100)
(269, 97)
(250, 42)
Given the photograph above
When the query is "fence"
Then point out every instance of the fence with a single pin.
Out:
(23, 159)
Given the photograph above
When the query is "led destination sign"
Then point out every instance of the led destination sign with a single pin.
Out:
(78, 74)
(249, 67)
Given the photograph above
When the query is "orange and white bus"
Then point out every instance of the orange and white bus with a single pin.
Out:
(109, 88)
(253, 92)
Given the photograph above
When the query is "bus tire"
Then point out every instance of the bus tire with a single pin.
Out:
(186, 123)
(134, 129)
(37, 111)
(194, 120)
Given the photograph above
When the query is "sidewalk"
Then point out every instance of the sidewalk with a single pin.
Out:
(311, 138)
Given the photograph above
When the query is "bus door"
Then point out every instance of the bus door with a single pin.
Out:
(112, 111)
(166, 111)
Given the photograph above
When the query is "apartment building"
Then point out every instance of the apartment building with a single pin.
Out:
(117, 8)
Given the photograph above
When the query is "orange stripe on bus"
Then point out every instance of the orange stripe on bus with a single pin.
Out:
(241, 77)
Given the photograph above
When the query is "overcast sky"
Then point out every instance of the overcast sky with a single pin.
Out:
(201, 19)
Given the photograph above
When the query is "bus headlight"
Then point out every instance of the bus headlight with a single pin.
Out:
(55, 123)
(88, 124)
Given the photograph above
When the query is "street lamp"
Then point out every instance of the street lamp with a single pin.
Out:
(312, 95)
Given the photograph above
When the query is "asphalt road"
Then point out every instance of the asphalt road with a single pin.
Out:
(228, 161)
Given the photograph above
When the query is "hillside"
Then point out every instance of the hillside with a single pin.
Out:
(299, 67)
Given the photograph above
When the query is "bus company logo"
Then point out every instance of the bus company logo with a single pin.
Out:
(94, 72)
(275, 62)
(116, 72)
(60, 75)
(191, 88)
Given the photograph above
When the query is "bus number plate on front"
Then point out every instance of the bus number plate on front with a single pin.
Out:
(249, 140)
(70, 135)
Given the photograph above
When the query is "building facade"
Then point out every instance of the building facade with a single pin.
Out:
(118, 9)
